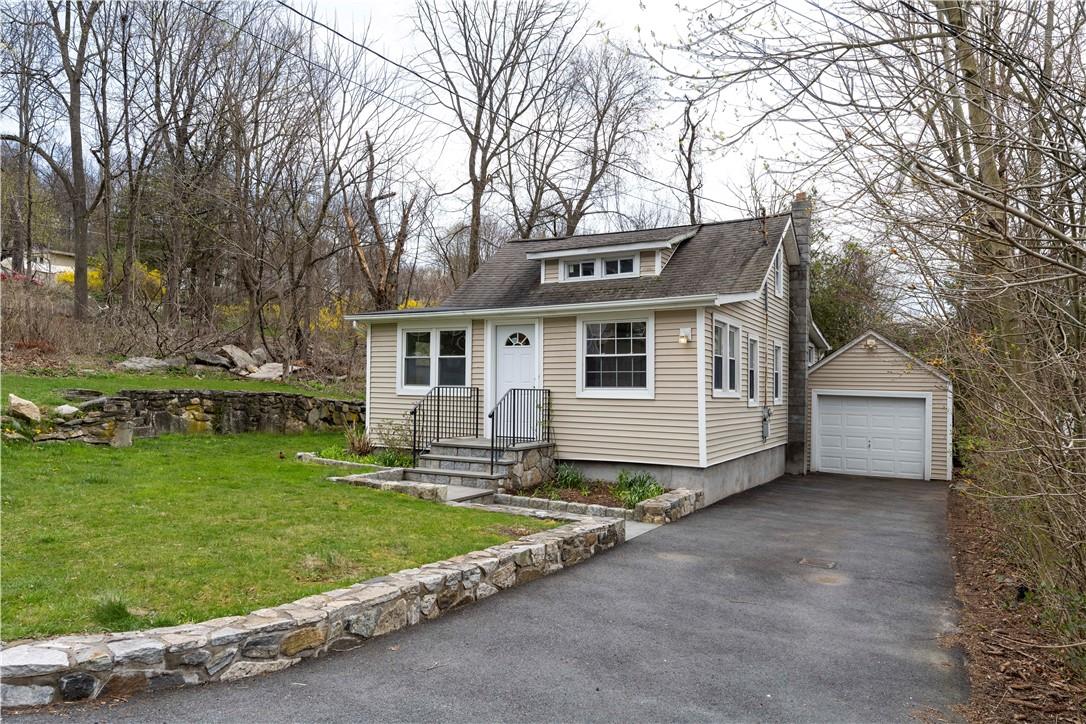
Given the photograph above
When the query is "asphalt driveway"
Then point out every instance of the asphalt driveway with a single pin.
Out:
(712, 618)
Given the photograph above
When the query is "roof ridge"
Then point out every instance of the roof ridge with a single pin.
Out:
(698, 225)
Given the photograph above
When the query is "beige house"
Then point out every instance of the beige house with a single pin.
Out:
(683, 351)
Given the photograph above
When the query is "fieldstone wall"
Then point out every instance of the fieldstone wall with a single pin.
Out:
(530, 466)
(146, 413)
(670, 506)
(666, 508)
(71, 668)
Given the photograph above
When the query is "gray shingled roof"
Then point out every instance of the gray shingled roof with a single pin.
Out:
(726, 257)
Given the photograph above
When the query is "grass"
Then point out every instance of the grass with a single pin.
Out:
(185, 528)
(43, 388)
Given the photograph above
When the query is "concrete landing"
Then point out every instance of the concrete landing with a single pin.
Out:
(462, 493)
(635, 528)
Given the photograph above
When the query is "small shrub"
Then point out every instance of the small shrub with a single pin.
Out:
(395, 435)
(358, 442)
(567, 476)
(631, 488)
(389, 458)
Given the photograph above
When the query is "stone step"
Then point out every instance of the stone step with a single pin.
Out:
(469, 464)
(455, 477)
(478, 448)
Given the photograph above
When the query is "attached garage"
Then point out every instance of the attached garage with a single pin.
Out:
(876, 410)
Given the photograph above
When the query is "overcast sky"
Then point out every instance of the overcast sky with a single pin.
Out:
(626, 22)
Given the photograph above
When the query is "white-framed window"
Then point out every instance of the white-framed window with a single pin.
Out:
(778, 272)
(601, 267)
(581, 269)
(778, 371)
(752, 371)
(726, 356)
(619, 266)
(615, 356)
(430, 357)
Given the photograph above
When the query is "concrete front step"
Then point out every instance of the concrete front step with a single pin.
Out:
(431, 461)
(455, 477)
(476, 447)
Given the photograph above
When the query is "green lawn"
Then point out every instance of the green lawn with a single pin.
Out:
(42, 389)
(185, 528)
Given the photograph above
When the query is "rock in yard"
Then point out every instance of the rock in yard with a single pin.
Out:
(237, 356)
(269, 371)
(210, 359)
(24, 409)
(66, 411)
(260, 356)
(79, 394)
(149, 364)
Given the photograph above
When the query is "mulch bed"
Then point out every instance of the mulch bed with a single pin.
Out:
(1015, 672)
(599, 493)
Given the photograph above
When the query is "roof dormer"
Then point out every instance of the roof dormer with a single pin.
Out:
(564, 263)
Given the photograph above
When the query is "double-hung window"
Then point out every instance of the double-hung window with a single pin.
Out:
(725, 358)
(615, 358)
(778, 382)
(431, 357)
(752, 371)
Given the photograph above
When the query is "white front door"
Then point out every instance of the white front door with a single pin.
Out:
(883, 436)
(515, 370)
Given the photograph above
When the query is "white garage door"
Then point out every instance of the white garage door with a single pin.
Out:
(881, 436)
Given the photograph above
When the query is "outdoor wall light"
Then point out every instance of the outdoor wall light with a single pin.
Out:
(684, 335)
(870, 344)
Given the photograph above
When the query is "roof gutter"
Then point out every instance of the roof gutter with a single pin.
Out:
(550, 310)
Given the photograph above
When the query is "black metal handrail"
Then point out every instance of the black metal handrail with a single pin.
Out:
(443, 413)
(521, 415)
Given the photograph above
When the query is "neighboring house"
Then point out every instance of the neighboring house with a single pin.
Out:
(44, 263)
(683, 351)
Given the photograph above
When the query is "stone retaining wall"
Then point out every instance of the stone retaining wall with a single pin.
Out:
(666, 508)
(71, 668)
(145, 413)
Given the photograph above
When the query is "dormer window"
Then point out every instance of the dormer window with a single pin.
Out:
(581, 269)
(600, 267)
(616, 267)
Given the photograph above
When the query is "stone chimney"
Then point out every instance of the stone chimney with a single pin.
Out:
(799, 321)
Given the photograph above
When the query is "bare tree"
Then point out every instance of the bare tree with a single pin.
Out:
(955, 134)
(687, 160)
(489, 63)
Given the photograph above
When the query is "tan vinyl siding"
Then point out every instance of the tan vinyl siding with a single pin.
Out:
(885, 369)
(661, 430)
(665, 255)
(384, 403)
(732, 428)
(648, 263)
(550, 270)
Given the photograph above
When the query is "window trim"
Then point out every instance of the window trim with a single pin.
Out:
(619, 393)
(755, 400)
(726, 393)
(777, 373)
(435, 342)
(598, 267)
